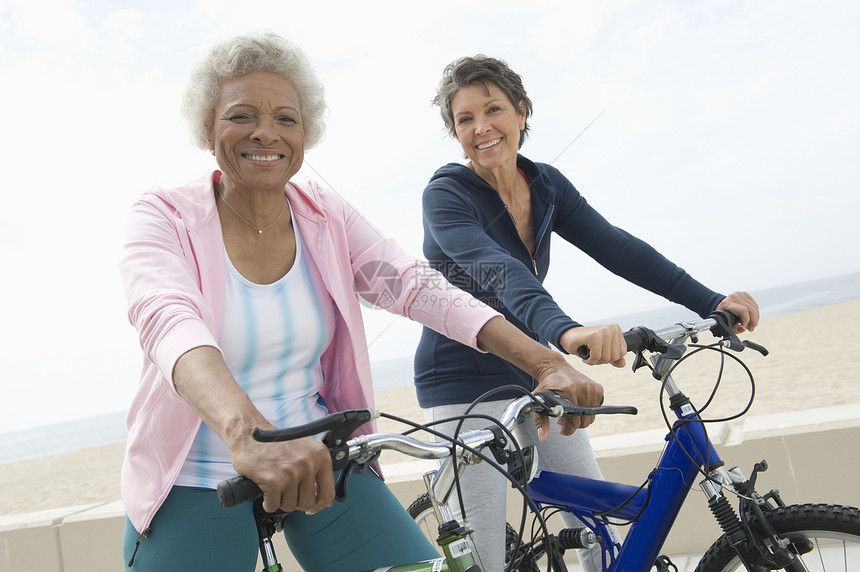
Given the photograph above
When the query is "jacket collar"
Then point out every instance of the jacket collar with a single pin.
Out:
(305, 200)
(536, 177)
(196, 200)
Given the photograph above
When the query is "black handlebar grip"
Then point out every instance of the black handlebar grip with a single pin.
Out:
(635, 339)
(730, 318)
(237, 490)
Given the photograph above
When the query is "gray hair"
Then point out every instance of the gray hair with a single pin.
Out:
(480, 69)
(236, 56)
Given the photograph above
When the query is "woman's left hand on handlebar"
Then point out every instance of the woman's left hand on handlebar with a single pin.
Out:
(742, 305)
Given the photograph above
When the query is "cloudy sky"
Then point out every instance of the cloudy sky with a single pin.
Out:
(725, 133)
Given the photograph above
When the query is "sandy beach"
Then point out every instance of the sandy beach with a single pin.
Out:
(812, 363)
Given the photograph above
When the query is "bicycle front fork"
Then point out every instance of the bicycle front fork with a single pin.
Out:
(758, 545)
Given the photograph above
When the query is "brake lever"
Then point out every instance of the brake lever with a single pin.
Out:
(724, 329)
(557, 405)
(338, 427)
(609, 410)
(754, 346)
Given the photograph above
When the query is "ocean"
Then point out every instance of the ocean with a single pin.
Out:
(110, 427)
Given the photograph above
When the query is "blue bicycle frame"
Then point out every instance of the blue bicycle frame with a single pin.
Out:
(652, 509)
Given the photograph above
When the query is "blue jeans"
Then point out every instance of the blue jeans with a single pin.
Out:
(192, 531)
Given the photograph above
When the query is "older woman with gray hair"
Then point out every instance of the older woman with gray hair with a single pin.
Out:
(243, 286)
(487, 228)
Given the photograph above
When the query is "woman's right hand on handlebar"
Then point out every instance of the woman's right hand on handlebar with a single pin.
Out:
(576, 388)
(744, 306)
(605, 343)
(293, 475)
(550, 368)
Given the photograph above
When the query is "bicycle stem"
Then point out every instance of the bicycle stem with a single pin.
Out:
(443, 512)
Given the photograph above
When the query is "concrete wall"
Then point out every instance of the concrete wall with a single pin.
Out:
(812, 455)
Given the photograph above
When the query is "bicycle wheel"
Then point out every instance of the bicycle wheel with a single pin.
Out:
(421, 510)
(833, 530)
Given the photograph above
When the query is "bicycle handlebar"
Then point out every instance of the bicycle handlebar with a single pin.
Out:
(364, 448)
(640, 339)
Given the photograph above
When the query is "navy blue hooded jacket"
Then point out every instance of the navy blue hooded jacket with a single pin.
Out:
(472, 239)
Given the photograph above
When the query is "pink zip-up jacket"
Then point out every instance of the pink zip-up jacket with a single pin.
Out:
(173, 267)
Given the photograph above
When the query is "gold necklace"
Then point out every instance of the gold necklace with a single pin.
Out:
(259, 230)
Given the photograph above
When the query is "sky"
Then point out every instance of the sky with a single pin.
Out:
(725, 133)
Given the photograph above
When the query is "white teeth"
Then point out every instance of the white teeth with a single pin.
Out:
(489, 144)
(263, 157)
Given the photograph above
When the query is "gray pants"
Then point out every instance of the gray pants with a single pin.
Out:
(485, 489)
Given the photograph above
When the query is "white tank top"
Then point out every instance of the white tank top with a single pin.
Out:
(272, 337)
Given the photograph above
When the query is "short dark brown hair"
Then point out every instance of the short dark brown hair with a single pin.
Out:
(481, 69)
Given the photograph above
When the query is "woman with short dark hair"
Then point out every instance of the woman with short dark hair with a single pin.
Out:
(487, 228)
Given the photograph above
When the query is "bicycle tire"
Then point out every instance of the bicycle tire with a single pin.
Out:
(421, 511)
(834, 530)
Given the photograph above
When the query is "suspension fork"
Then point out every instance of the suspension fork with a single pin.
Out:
(712, 487)
(747, 534)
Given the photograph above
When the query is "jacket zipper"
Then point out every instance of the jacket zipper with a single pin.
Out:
(532, 258)
(544, 226)
(542, 230)
(539, 238)
(145, 534)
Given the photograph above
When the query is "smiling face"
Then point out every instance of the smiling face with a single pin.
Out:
(257, 131)
(487, 125)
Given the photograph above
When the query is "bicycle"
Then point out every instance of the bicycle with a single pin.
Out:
(356, 454)
(764, 534)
